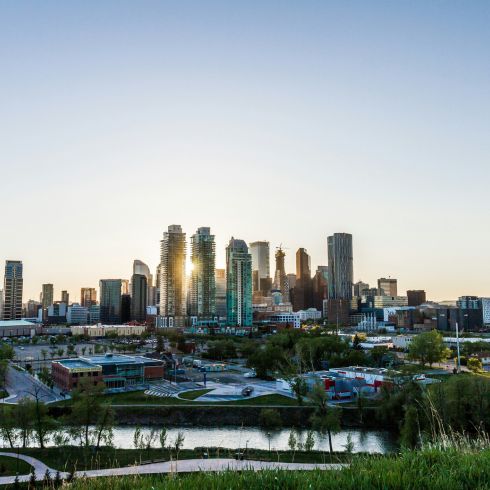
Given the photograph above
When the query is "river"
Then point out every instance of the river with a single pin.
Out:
(369, 441)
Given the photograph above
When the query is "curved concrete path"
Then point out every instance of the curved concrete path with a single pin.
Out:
(39, 467)
(182, 466)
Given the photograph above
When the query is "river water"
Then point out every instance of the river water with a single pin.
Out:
(234, 437)
(369, 441)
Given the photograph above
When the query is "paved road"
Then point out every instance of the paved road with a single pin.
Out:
(20, 385)
(183, 466)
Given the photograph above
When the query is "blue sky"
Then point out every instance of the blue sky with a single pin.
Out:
(285, 121)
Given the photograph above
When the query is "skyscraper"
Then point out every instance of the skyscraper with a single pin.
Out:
(88, 297)
(12, 289)
(203, 281)
(320, 287)
(341, 277)
(65, 297)
(261, 267)
(111, 291)
(387, 287)
(340, 266)
(140, 268)
(172, 278)
(303, 292)
(280, 278)
(238, 284)
(139, 296)
(220, 278)
(47, 295)
(360, 287)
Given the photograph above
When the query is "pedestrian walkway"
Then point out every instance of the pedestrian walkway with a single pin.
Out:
(168, 467)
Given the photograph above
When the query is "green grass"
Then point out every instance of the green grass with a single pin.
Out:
(12, 466)
(192, 395)
(430, 469)
(68, 458)
(139, 398)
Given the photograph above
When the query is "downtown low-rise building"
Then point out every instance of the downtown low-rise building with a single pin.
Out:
(99, 330)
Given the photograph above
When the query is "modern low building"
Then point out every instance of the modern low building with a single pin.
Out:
(69, 373)
(100, 330)
(18, 328)
(115, 371)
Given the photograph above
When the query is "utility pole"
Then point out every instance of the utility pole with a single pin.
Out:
(458, 369)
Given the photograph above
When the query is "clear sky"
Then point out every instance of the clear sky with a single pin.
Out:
(276, 120)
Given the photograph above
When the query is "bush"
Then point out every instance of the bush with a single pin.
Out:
(270, 418)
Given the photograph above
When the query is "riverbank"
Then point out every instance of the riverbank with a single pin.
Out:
(73, 458)
(224, 415)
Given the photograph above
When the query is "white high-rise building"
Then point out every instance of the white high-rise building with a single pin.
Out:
(485, 303)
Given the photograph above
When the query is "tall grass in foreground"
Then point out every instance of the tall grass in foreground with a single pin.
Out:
(445, 467)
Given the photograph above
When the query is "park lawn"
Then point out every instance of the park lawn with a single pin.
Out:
(268, 400)
(71, 458)
(139, 398)
(13, 466)
(192, 395)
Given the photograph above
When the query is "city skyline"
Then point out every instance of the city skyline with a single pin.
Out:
(279, 124)
(290, 261)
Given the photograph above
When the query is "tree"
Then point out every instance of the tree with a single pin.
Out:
(162, 437)
(309, 441)
(43, 424)
(293, 442)
(474, 364)
(409, 435)
(8, 427)
(428, 348)
(326, 419)
(266, 360)
(88, 410)
(178, 443)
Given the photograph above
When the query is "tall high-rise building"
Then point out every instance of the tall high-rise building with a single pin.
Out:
(203, 281)
(387, 287)
(65, 297)
(12, 290)
(320, 287)
(220, 278)
(1, 303)
(280, 279)
(238, 284)
(111, 291)
(416, 297)
(139, 296)
(140, 268)
(303, 291)
(340, 266)
(261, 273)
(88, 297)
(47, 295)
(172, 278)
(360, 287)
(47, 299)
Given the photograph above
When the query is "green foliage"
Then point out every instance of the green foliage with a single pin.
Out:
(221, 349)
(428, 348)
(474, 364)
(409, 435)
(270, 418)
